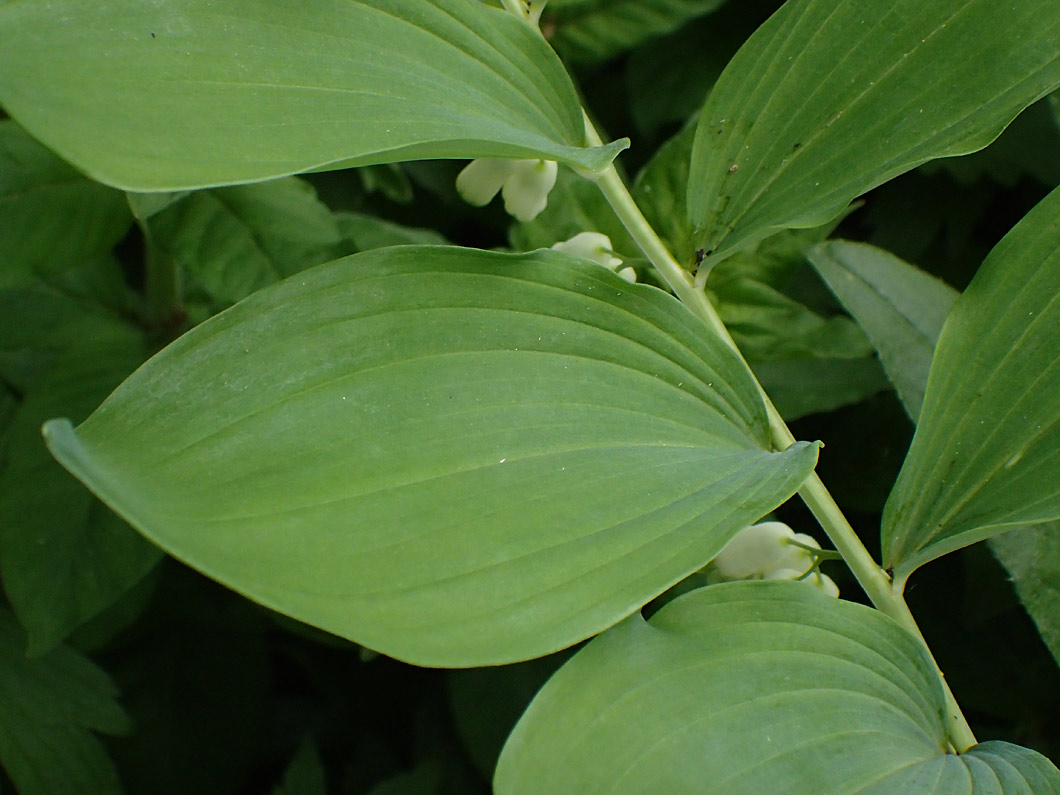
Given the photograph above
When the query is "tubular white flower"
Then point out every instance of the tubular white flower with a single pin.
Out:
(590, 245)
(597, 247)
(821, 582)
(524, 184)
(481, 180)
(525, 192)
(757, 551)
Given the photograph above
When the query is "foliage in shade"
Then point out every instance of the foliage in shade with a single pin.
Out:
(830, 98)
(594, 30)
(235, 240)
(453, 457)
(899, 306)
(903, 309)
(63, 556)
(985, 454)
(49, 708)
(199, 93)
(1031, 555)
(53, 218)
(758, 683)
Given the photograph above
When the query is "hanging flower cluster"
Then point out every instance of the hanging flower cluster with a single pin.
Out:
(771, 551)
(523, 184)
(597, 247)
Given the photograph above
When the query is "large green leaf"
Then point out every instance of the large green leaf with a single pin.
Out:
(830, 98)
(197, 93)
(51, 218)
(753, 687)
(985, 454)
(592, 30)
(453, 457)
(899, 306)
(49, 708)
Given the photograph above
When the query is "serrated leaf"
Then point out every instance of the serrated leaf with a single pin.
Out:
(63, 556)
(984, 454)
(52, 218)
(453, 457)
(899, 306)
(49, 708)
(753, 687)
(594, 30)
(829, 99)
(236, 240)
(200, 93)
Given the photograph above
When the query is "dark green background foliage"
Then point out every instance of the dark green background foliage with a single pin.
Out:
(144, 677)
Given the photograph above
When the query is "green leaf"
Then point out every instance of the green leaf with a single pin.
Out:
(984, 456)
(305, 774)
(803, 386)
(199, 93)
(453, 457)
(899, 306)
(49, 708)
(594, 30)
(747, 687)
(63, 556)
(51, 217)
(1031, 555)
(236, 240)
(363, 232)
(830, 98)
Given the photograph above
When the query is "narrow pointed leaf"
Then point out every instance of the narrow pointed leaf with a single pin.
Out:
(1031, 556)
(900, 307)
(449, 456)
(830, 98)
(198, 93)
(986, 454)
(745, 687)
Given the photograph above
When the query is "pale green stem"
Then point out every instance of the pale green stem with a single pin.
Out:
(518, 8)
(161, 286)
(873, 579)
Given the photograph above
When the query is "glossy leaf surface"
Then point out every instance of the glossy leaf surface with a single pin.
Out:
(831, 98)
(453, 457)
(899, 306)
(985, 454)
(734, 688)
(198, 93)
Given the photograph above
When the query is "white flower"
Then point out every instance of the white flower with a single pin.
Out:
(821, 582)
(597, 247)
(524, 184)
(770, 551)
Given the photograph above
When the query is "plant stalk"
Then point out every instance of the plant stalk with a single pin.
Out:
(873, 579)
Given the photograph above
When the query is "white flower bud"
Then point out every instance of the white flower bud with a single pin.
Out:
(481, 180)
(821, 582)
(590, 245)
(756, 550)
(525, 192)
(628, 274)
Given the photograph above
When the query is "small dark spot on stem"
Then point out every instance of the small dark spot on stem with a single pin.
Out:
(152, 35)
